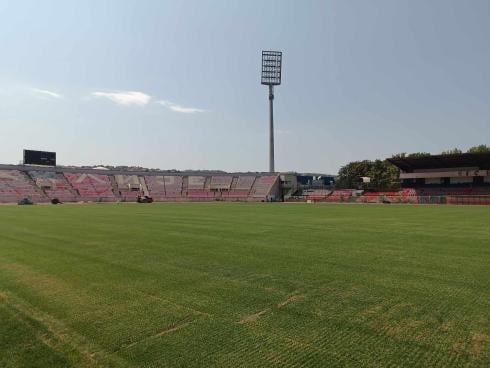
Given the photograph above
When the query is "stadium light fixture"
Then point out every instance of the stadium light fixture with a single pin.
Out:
(271, 76)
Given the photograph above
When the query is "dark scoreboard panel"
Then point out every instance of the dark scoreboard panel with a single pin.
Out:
(39, 158)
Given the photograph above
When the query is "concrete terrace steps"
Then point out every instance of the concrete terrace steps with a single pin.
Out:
(115, 188)
(34, 185)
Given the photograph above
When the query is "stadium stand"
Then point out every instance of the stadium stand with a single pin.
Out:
(453, 179)
(343, 195)
(164, 188)
(221, 182)
(263, 186)
(467, 185)
(402, 196)
(196, 182)
(79, 185)
(469, 200)
(439, 179)
(236, 195)
(92, 187)
(54, 185)
(16, 185)
(234, 181)
(207, 183)
(173, 186)
(316, 194)
(198, 188)
(245, 183)
(128, 182)
(200, 194)
(239, 189)
(129, 187)
(156, 187)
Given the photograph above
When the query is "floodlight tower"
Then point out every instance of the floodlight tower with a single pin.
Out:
(271, 76)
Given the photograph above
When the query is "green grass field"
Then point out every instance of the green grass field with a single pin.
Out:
(244, 285)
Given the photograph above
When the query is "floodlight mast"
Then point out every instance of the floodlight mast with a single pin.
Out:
(271, 128)
(271, 76)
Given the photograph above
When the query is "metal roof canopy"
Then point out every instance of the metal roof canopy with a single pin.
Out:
(408, 164)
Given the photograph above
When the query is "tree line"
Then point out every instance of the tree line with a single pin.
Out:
(383, 174)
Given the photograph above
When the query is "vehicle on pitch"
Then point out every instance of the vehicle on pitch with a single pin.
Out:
(25, 201)
(144, 199)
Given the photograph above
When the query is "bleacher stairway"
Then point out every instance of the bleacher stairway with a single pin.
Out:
(41, 192)
(115, 188)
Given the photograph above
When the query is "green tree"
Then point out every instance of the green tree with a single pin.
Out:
(482, 148)
(454, 151)
(383, 174)
(410, 155)
(418, 154)
(399, 155)
(348, 176)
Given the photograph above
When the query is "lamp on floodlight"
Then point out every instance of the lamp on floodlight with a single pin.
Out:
(271, 76)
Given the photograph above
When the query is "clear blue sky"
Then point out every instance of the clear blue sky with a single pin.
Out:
(175, 84)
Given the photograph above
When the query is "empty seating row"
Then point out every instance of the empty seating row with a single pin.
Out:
(245, 182)
(453, 191)
(16, 185)
(130, 187)
(173, 186)
(200, 194)
(54, 185)
(156, 186)
(195, 182)
(235, 195)
(469, 200)
(128, 182)
(221, 182)
(72, 186)
(430, 195)
(317, 194)
(92, 186)
(340, 195)
(263, 186)
(161, 187)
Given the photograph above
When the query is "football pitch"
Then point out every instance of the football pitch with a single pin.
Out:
(244, 285)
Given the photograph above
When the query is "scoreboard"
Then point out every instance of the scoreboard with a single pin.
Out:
(39, 158)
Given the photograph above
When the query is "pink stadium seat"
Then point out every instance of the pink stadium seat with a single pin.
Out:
(235, 195)
(173, 186)
(195, 182)
(340, 195)
(200, 194)
(317, 194)
(92, 187)
(16, 185)
(156, 186)
(263, 186)
(54, 185)
(245, 182)
(164, 187)
(221, 182)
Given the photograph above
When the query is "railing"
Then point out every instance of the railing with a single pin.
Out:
(467, 199)
(411, 199)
